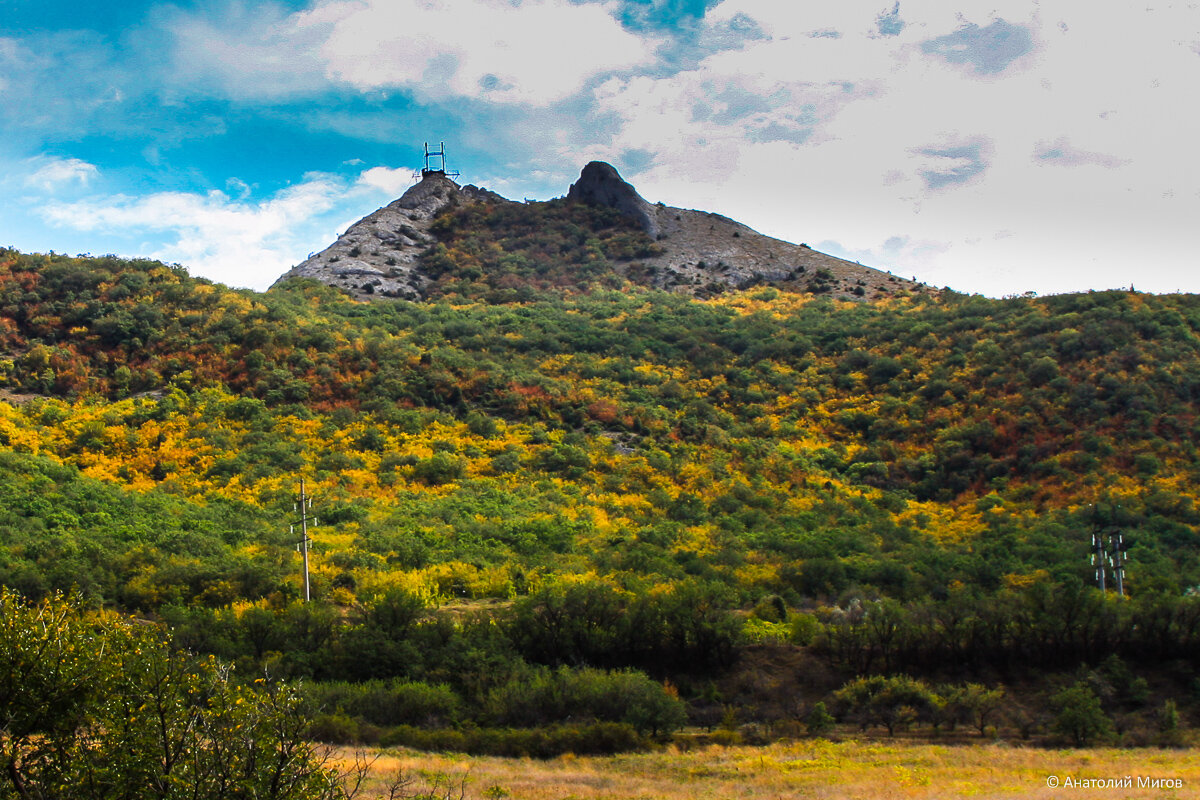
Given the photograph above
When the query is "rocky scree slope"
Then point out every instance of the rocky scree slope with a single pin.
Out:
(696, 252)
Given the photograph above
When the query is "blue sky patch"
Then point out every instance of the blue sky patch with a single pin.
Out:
(888, 23)
(1062, 153)
(987, 51)
(643, 15)
(796, 131)
(961, 164)
(730, 104)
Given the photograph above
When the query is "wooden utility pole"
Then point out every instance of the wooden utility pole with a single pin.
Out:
(304, 505)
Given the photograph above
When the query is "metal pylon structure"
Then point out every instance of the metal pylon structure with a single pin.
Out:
(435, 163)
(1111, 558)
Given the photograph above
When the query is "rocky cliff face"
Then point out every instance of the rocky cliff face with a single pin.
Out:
(380, 254)
(600, 184)
(697, 252)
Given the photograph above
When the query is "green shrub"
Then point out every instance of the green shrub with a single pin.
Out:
(893, 702)
(97, 707)
(540, 696)
(818, 721)
(596, 738)
(1079, 716)
(439, 468)
(387, 703)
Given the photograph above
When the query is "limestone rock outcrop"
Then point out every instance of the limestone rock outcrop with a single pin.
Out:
(380, 254)
(695, 252)
(601, 184)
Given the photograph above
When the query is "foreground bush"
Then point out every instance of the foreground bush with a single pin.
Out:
(95, 706)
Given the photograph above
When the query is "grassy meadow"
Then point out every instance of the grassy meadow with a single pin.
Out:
(848, 770)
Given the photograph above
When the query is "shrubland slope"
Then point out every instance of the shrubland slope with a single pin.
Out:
(634, 478)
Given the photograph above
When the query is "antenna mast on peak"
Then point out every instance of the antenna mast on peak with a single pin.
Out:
(435, 163)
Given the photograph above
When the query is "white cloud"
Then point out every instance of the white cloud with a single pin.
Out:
(537, 51)
(245, 52)
(390, 181)
(534, 52)
(51, 173)
(237, 241)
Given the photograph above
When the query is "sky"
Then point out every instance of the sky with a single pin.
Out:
(996, 147)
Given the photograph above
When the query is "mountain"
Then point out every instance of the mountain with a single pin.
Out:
(756, 496)
(405, 249)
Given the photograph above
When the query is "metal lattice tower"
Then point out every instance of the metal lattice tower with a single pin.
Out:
(1116, 543)
(435, 163)
(1098, 559)
(1113, 557)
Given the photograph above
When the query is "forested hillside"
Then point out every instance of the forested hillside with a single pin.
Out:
(526, 489)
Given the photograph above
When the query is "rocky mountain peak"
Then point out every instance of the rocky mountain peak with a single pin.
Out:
(600, 184)
(380, 254)
(694, 252)
(434, 193)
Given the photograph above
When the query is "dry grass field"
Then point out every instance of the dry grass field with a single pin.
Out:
(850, 770)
